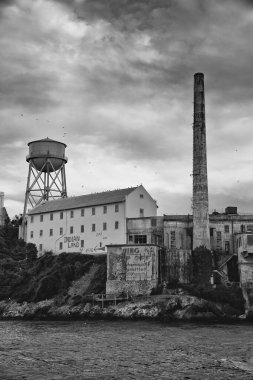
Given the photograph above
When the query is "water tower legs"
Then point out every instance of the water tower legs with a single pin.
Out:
(43, 186)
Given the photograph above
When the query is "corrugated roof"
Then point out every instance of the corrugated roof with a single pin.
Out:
(88, 200)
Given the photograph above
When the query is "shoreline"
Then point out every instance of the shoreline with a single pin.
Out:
(167, 309)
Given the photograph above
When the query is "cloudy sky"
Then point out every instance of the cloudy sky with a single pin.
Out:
(113, 79)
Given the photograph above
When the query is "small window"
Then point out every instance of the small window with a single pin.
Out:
(41, 218)
(227, 246)
(61, 230)
(51, 216)
(41, 232)
(226, 228)
(116, 208)
(51, 232)
(105, 210)
(82, 243)
(130, 239)
(82, 211)
(250, 240)
(141, 196)
(141, 212)
(82, 228)
(153, 222)
(71, 230)
(140, 239)
(40, 247)
(116, 225)
(93, 227)
(61, 215)
(60, 245)
(32, 219)
(72, 213)
(104, 226)
(93, 211)
(31, 234)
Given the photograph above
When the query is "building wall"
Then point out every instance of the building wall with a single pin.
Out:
(149, 228)
(132, 269)
(88, 241)
(176, 235)
(140, 199)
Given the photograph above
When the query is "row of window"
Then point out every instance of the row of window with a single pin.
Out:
(61, 246)
(71, 229)
(72, 213)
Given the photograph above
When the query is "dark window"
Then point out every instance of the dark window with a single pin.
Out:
(71, 230)
(82, 211)
(219, 241)
(41, 232)
(31, 234)
(141, 212)
(32, 219)
(130, 239)
(40, 247)
(116, 208)
(226, 228)
(211, 232)
(105, 210)
(60, 245)
(153, 222)
(82, 243)
(140, 239)
(93, 227)
(116, 225)
(41, 218)
(51, 232)
(51, 216)
(93, 211)
(61, 230)
(82, 228)
(227, 246)
(250, 227)
(61, 215)
(72, 213)
(104, 226)
(250, 239)
(141, 195)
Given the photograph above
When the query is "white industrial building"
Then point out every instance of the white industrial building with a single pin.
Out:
(87, 223)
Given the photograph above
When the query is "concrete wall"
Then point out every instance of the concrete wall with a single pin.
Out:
(177, 266)
(177, 235)
(151, 227)
(132, 268)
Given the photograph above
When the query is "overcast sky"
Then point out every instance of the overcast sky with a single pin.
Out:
(113, 79)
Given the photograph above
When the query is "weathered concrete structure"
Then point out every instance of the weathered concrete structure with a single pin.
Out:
(132, 269)
(244, 243)
(201, 234)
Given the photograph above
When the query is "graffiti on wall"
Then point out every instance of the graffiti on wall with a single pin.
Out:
(72, 241)
(140, 262)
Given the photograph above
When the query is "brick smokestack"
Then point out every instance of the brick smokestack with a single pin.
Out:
(201, 232)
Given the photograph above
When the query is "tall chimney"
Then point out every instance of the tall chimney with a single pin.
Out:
(201, 232)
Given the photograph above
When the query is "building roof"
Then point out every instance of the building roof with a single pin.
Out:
(94, 199)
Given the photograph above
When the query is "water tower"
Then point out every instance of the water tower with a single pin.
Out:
(46, 174)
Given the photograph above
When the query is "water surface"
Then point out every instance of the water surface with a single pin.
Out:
(124, 350)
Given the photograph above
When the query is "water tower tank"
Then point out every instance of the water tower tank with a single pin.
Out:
(41, 151)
